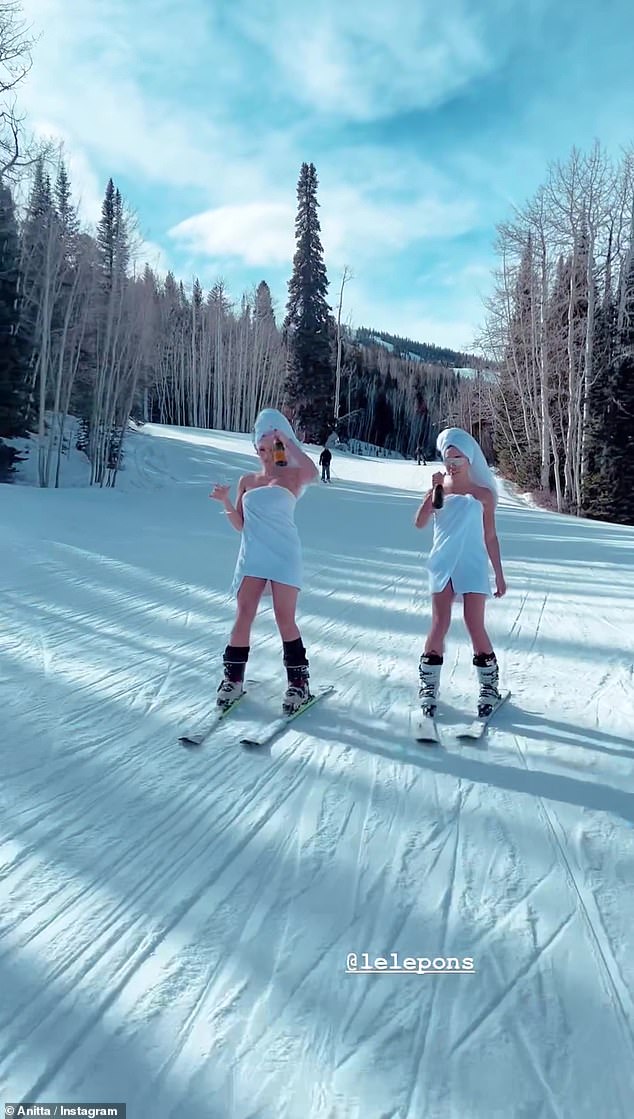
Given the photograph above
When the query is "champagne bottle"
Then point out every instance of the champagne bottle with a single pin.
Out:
(438, 498)
(279, 454)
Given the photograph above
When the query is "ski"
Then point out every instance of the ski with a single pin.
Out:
(425, 729)
(202, 733)
(268, 733)
(478, 726)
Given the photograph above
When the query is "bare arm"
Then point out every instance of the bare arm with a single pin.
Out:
(235, 514)
(424, 511)
(297, 460)
(491, 541)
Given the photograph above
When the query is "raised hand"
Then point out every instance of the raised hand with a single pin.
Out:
(220, 493)
(438, 478)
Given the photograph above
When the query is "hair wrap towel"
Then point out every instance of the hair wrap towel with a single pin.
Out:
(268, 420)
(479, 469)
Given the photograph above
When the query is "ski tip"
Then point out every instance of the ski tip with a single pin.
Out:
(427, 734)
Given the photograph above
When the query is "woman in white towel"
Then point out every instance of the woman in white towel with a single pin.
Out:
(465, 539)
(270, 557)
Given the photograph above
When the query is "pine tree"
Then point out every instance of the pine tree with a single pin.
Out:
(14, 396)
(263, 305)
(66, 212)
(113, 238)
(309, 387)
(37, 233)
(105, 230)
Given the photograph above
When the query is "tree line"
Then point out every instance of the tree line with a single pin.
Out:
(87, 335)
(560, 328)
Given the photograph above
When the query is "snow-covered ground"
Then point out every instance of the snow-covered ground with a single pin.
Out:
(175, 926)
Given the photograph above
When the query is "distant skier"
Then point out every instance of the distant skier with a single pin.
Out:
(324, 461)
(420, 455)
(270, 557)
(464, 540)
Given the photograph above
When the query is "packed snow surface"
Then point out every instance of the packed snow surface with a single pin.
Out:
(176, 926)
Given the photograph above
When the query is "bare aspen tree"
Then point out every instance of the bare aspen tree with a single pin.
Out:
(344, 280)
(15, 63)
(558, 257)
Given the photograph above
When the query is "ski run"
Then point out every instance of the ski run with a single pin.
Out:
(232, 933)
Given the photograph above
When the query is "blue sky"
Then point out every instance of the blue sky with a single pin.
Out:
(426, 122)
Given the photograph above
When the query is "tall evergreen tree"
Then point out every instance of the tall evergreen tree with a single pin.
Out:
(310, 383)
(263, 304)
(37, 234)
(14, 395)
(113, 237)
(66, 214)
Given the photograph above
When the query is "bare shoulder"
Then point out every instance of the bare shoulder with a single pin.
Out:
(245, 482)
(483, 494)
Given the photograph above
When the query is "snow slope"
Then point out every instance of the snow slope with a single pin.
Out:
(174, 925)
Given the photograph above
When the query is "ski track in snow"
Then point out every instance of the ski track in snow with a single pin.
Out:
(174, 925)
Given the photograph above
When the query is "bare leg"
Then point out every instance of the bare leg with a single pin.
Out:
(440, 619)
(284, 606)
(295, 661)
(474, 608)
(249, 595)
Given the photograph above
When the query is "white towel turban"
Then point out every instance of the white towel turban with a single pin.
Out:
(270, 419)
(479, 469)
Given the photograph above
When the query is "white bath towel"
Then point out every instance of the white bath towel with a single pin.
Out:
(458, 550)
(270, 547)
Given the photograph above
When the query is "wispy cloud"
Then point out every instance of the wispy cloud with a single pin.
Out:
(107, 71)
(360, 60)
(359, 222)
(258, 234)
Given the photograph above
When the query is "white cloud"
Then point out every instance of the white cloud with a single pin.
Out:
(361, 61)
(374, 215)
(84, 76)
(91, 64)
(357, 226)
(258, 233)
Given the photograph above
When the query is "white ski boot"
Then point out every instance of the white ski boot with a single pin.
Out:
(429, 668)
(228, 692)
(298, 690)
(489, 678)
